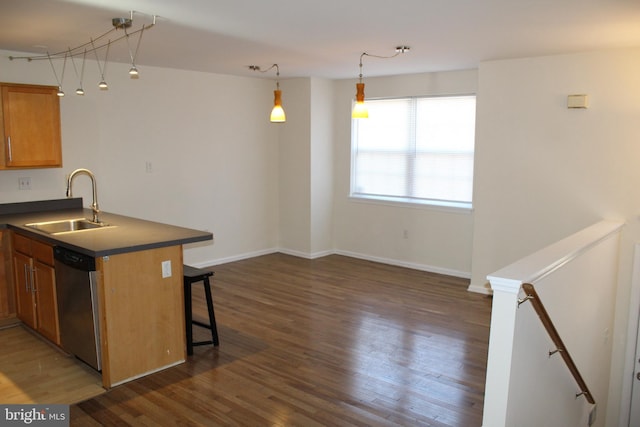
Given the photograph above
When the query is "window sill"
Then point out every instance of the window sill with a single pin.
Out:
(453, 207)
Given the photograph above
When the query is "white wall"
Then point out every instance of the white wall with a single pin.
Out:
(321, 158)
(438, 240)
(294, 168)
(213, 152)
(306, 168)
(542, 171)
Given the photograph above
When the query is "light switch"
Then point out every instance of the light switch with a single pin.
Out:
(166, 269)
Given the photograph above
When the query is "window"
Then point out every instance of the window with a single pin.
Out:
(416, 150)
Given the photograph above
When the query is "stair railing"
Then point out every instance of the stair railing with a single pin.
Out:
(532, 296)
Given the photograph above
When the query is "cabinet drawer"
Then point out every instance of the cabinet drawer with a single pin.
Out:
(42, 252)
(21, 244)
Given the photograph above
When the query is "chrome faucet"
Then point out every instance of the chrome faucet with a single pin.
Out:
(94, 205)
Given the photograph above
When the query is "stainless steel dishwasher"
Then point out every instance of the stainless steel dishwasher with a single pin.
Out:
(78, 313)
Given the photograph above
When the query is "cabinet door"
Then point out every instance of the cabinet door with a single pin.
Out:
(46, 301)
(7, 294)
(31, 119)
(22, 268)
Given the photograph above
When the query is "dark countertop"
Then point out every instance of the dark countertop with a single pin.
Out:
(128, 234)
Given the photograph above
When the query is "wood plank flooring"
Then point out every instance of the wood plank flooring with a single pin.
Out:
(32, 371)
(329, 342)
(334, 341)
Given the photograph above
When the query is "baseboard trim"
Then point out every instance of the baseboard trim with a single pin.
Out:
(320, 254)
(411, 265)
(483, 289)
(306, 255)
(211, 263)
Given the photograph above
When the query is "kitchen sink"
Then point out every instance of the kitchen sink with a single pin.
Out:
(67, 225)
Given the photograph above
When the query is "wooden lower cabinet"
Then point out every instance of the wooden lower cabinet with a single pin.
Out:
(7, 289)
(34, 277)
(141, 313)
(25, 297)
(46, 301)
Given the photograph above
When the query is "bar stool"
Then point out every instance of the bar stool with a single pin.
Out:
(194, 275)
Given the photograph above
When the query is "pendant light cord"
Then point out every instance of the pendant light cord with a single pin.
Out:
(95, 50)
(399, 50)
(257, 68)
(64, 65)
(132, 54)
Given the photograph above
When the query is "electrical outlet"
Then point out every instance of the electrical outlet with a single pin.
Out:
(24, 183)
(405, 234)
(166, 269)
(148, 167)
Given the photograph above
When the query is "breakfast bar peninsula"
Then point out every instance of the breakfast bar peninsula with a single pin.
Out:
(138, 281)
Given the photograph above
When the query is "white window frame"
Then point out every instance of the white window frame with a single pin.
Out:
(454, 205)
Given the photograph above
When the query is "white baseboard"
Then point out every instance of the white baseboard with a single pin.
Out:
(480, 289)
(413, 266)
(320, 254)
(306, 255)
(211, 263)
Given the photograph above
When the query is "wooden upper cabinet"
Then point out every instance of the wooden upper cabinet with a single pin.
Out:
(30, 127)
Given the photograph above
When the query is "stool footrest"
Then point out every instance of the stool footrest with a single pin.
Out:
(195, 344)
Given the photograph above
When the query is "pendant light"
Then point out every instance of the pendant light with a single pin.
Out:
(102, 84)
(80, 90)
(360, 110)
(277, 113)
(133, 71)
(60, 92)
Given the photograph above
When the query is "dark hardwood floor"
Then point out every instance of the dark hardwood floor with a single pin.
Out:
(334, 341)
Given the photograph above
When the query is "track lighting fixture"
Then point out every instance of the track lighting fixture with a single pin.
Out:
(94, 45)
(277, 113)
(103, 84)
(359, 108)
(133, 71)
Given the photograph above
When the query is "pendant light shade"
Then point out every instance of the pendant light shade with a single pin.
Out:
(277, 114)
(360, 109)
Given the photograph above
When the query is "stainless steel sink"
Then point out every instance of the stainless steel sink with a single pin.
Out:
(67, 225)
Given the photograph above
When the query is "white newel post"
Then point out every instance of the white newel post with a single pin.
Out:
(503, 321)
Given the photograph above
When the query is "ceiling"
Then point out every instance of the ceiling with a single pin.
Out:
(325, 38)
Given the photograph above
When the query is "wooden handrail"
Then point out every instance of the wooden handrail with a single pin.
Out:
(532, 295)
